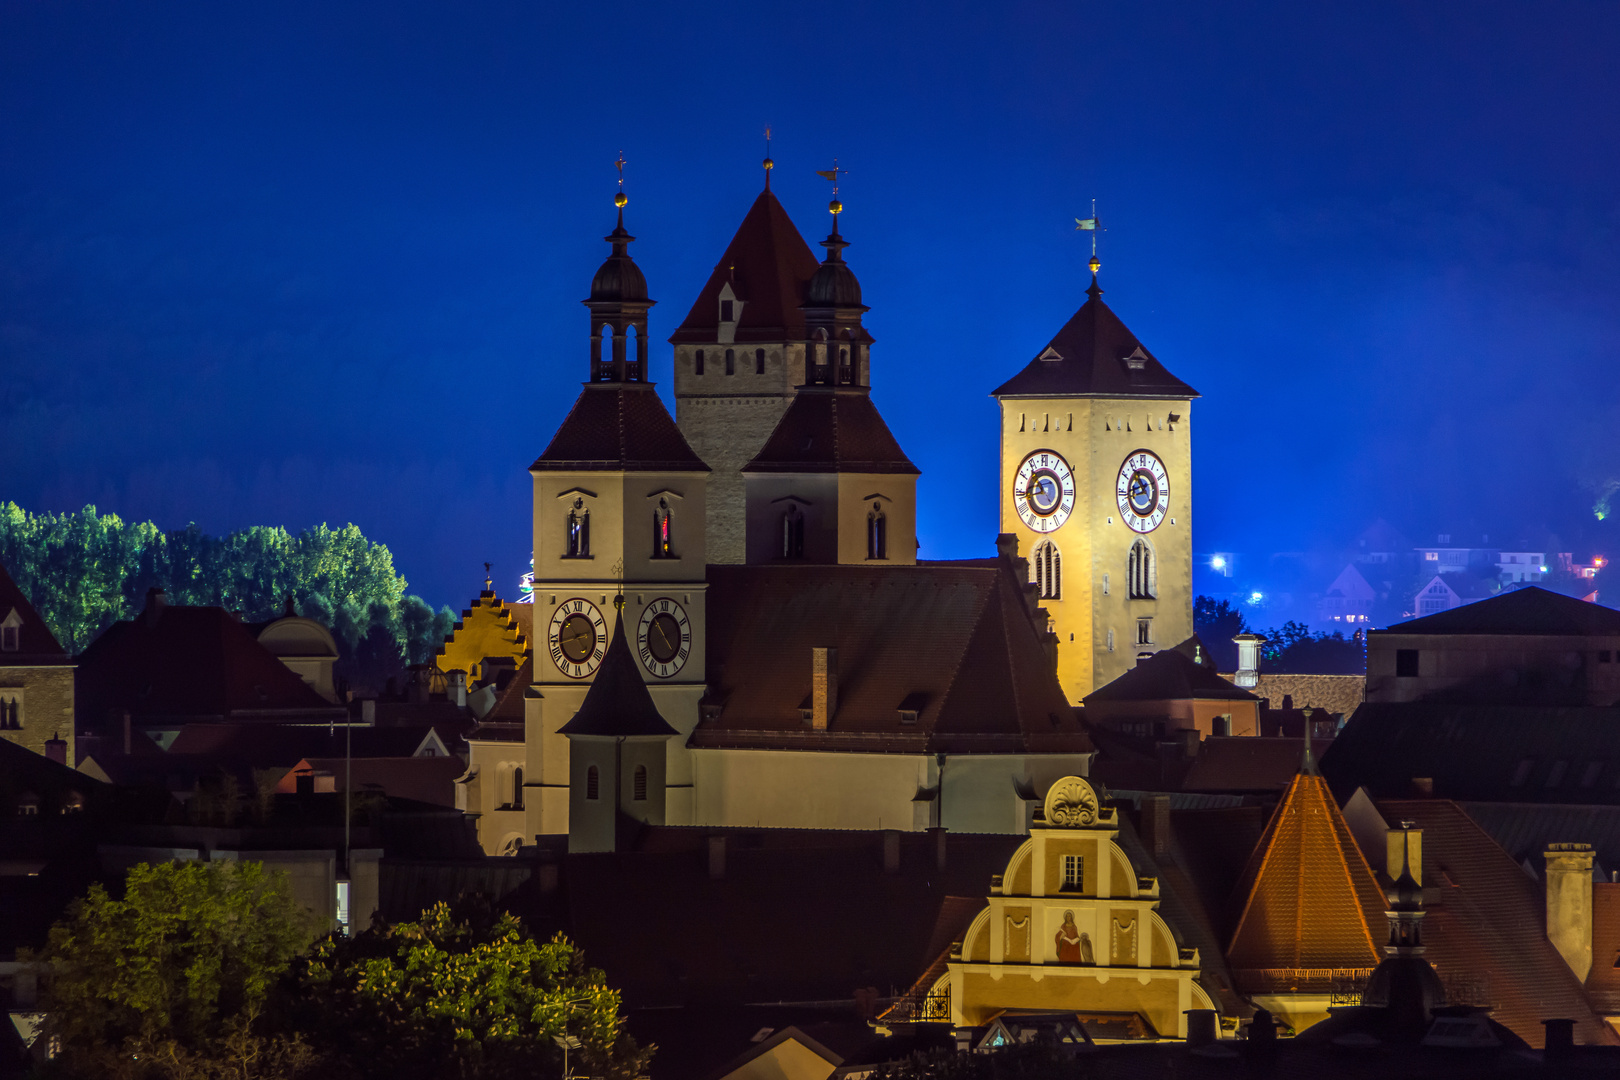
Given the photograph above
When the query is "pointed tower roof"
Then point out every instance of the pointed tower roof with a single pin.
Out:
(618, 704)
(1095, 355)
(832, 429)
(1309, 899)
(619, 427)
(769, 267)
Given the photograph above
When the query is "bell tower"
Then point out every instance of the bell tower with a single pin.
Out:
(1096, 485)
(619, 501)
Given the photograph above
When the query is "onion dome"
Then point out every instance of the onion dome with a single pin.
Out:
(834, 283)
(619, 278)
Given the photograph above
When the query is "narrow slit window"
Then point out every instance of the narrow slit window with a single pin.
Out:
(579, 531)
(759, 361)
(877, 533)
(517, 788)
(663, 531)
(697, 363)
(638, 788)
(593, 784)
(792, 532)
(731, 361)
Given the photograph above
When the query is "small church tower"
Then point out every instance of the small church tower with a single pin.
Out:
(1096, 484)
(619, 501)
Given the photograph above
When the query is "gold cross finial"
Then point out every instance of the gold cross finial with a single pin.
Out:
(832, 174)
(619, 200)
(769, 164)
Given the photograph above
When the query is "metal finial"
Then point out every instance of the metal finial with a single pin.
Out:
(769, 164)
(1093, 226)
(620, 199)
(835, 207)
(489, 581)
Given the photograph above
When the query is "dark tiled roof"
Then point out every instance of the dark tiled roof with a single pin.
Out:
(1477, 752)
(831, 429)
(619, 426)
(284, 745)
(425, 779)
(772, 264)
(1525, 829)
(1169, 675)
(35, 642)
(1247, 764)
(175, 661)
(1489, 923)
(1093, 346)
(618, 702)
(959, 641)
(1522, 611)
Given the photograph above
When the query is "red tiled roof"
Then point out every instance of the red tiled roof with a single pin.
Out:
(35, 642)
(1489, 922)
(772, 265)
(1308, 898)
(619, 426)
(1245, 763)
(831, 429)
(1169, 675)
(175, 661)
(956, 644)
(1603, 984)
(425, 779)
(1092, 347)
(282, 745)
(1530, 611)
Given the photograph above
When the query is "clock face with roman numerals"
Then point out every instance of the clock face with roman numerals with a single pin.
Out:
(664, 637)
(1043, 491)
(578, 639)
(1143, 491)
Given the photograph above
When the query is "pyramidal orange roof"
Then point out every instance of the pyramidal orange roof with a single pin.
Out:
(1309, 898)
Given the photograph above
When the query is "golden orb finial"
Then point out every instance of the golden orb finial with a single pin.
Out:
(1095, 264)
(620, 199)
(835, 207)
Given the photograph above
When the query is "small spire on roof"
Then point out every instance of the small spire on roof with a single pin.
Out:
(621, 198)
(1308, 765)
(1093, 225)
(835, 207)
(769, 164)
(489, 581)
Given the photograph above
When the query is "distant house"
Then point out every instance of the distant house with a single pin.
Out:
(36, 678)
(1451, 590)
(1348, 602)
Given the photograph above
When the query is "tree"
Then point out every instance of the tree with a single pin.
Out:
(462, 993)
(174, 979)
(1216, 623)
(1294, 650)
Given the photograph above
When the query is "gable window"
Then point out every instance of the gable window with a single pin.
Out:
(10, 638)
(759, 361)
(638, 786)
(579, 531)
(1143, 573)
(1406, 663)
(517, 788)
(727, 311)
(593, 784)
(697, 363)
(1144, 631)
(1046, 566)
(877, 534)
(731, 361)
(792, 532)
(1074, 873)
(663, 535)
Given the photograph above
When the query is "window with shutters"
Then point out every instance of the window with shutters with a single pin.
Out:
(1143, 572)
(638, 786)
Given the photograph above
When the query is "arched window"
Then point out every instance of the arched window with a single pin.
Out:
(638, 786)
(579, 531)
(877, 533)
(819, 357)
(593, 784)
(517, 788)
(1143, 572)
(731, 361)
(844, 375)
(663, 532)
(1046, 569)
(697, 363)
(759, 361)
(792, 532)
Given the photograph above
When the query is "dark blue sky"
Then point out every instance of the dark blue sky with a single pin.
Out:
(285, 263)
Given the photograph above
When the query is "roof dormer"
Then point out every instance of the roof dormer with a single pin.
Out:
(730, 314)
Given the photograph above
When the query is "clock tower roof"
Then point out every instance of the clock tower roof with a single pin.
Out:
(618, 704)
(1095, 355)
(768, 266)
(832, 429)
(619, 427)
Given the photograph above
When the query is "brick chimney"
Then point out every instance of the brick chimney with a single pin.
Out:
(823, 686)
(1569, 904)
(1248, 672)
(1156, 824)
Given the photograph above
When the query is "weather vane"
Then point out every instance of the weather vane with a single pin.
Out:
(489, 582)
(1093, 226)
(619, 200)
(769, 164)
(835, 206)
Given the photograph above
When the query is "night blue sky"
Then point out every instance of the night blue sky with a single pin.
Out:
(285, 263)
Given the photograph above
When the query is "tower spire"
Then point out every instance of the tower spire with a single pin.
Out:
(769, 164)
(618, 303)
(1093, 225)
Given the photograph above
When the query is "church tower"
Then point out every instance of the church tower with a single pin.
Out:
(831, 484)
(619, 502)
(1096, 484)
(740, 357)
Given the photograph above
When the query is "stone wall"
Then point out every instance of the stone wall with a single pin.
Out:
(1335, 693)
(46, 697)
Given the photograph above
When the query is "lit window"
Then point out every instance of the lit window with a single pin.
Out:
(1074, 873)
(663, 535)
(639, 784)
(342, 905)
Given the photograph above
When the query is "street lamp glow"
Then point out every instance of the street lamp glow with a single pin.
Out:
(1218, 562)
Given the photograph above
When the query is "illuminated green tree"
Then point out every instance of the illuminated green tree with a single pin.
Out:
(462, 993)
(175, 979)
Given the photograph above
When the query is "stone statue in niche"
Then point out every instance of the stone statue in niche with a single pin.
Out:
(1073, 947)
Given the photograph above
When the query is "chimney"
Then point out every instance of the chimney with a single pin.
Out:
(823, 686)
(1201, 1027)
(717, 858)
(458, 688)
(156, 601)
(1569, 905)
(1559, 1042)
(1403, 852)
(56, 749)
(1007, 545)
(1248, 672)
(1156, 824)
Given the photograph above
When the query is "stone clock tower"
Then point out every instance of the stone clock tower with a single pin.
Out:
(1096, 484)
(619, 500)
